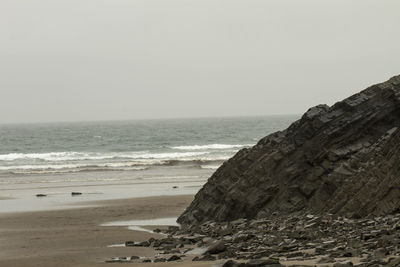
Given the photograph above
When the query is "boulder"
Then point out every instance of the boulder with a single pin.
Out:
(174, 258)
(217, 247)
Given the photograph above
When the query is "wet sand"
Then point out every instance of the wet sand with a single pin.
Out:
(74, 237)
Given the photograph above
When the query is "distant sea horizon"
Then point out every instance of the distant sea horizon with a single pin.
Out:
(147, 119)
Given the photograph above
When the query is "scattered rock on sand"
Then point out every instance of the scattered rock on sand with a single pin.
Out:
(174, 258)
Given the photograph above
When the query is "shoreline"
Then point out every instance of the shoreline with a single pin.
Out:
(75, 237)
(29, 197)
(90, 236)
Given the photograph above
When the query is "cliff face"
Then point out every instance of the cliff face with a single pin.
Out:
(341, 159)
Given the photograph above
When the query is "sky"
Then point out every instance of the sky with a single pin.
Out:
(78, 60)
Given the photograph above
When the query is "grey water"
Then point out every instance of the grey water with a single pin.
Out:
(27, 149)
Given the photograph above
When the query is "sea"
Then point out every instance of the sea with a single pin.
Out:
(121, 158)
(118, 159)
(129, 145)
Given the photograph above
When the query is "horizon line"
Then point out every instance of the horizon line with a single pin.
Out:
(147, 119)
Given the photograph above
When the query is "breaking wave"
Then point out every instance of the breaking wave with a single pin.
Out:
(210, 147)
(68, 156)
(69, 162)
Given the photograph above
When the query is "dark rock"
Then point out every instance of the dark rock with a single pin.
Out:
(231, 263)
(174, 258)
(76, 193)
(41, 195)
(146, 260)
(160, 260)
(380, 253)
(143, 244)
(336, 159)
(261, 263)
(216, 248)
(295, 255)
(326, 260)
(343, 264)
(393, 262)
(206, 257)
(129, 244)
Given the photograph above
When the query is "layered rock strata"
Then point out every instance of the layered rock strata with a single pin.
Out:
(342, 159)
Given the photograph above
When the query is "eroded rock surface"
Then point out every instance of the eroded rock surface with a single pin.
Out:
(342, 159)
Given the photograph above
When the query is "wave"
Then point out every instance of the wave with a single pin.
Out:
(210, 167)
(137, 165)
(201, 156)
(210, 146)
(72, 156)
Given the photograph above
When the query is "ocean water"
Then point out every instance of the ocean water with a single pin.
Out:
(84, 147)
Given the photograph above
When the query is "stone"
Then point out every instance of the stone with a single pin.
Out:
(326, 260)
(231, 263)
(129, 244)
(76, 193)
(336, 160)
(174, 258)
(393, 262)
(217, 247)
(261, 263)
(380, 253)
(206, 257)
(343, 264)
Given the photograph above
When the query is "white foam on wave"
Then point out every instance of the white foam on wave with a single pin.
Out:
(66, 162)
(70, 156)
(21, 169)
(136, 165)
(210, 146)
(148, 222)
(210, 167)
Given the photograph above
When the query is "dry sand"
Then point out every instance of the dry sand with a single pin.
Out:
(74, 237)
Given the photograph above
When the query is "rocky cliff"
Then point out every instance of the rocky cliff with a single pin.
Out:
(342, 159)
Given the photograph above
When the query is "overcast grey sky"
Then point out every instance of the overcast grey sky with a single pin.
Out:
(63, 60)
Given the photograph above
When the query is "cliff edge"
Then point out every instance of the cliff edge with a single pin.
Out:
(342, 159)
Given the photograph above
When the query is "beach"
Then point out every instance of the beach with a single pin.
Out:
(61, 184)
(59, 223)
(75, 237)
